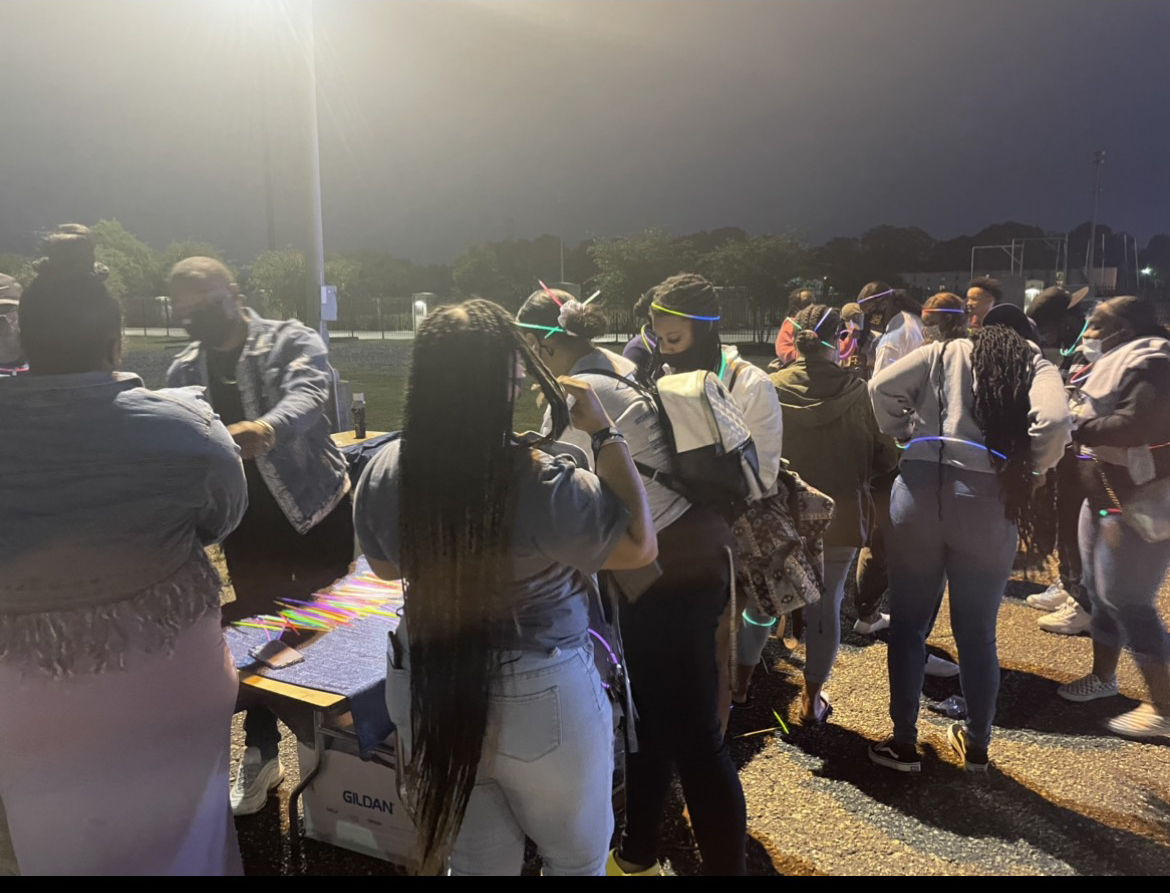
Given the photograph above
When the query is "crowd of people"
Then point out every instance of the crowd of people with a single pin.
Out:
(951, 436)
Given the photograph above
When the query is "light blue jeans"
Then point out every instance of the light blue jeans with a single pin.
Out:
(1122, 574)
(547, 768)
(822, 632)
(946, 524)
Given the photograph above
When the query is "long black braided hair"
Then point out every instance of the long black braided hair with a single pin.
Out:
(1003, 369)
(459, 470)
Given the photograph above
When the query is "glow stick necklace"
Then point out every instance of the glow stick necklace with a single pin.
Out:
(645, 341)
(1082, 374)
(1073, 348)
(996, 453)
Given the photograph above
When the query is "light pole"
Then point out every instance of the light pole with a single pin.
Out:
(1098, 163)
(315, 249)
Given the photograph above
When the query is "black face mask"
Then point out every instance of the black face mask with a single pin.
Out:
(209, 325)
(698, 356)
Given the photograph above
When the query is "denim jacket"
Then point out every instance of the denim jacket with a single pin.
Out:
(108, 495)
(285, 380)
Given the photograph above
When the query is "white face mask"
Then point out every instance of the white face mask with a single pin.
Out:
(1092, 349)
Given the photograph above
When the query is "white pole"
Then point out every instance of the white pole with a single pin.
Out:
(315, 249)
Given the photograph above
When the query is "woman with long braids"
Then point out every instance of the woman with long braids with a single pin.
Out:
(982, 421)
(1123, 425)
(669, 631)
(491, 681)
(832, 441)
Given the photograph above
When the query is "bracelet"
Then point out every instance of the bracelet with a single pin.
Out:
(269, 433)
(604, 436)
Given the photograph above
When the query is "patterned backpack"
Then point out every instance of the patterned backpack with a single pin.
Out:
(780, 539)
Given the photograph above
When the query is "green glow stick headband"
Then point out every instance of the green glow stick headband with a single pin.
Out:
(550, 330)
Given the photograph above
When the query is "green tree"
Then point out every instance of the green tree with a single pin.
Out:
(178, 251)
(763, 267)
(627, 267)
(481, 271)
(843, 261)
(276, 282)
(18, 267)
(133, 264)
(893, 250)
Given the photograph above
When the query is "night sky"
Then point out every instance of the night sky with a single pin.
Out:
(443, 123)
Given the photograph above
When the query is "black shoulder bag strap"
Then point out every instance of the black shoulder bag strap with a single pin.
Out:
(665, 478)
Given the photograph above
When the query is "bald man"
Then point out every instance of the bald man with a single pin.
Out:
(270, 382)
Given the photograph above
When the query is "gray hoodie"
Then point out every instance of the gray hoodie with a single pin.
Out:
(906, 400)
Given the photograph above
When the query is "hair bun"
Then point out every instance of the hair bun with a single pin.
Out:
(571, 312)
(807, 341)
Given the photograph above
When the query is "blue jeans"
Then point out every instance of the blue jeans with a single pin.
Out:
(1122, 574)
(822, 633)
(547, 767)
(946, 524)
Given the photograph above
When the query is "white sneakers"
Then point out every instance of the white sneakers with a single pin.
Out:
(868, 628)
(1049, 600)
(1144, 721)
(1070, 619)
(1087, 688)
(940, 667)
(255, 777)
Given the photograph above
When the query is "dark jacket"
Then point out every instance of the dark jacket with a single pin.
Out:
(831, 439)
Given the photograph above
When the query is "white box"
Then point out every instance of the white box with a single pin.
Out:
(353, 803)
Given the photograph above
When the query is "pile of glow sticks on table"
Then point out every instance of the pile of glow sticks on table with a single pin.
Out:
(356, 596)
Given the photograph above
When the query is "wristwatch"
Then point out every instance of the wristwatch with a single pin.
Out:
(604, 436)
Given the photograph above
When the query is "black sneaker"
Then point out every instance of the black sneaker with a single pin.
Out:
(897, 755)
(974, 758)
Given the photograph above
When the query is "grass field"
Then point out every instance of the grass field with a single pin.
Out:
(377, 369)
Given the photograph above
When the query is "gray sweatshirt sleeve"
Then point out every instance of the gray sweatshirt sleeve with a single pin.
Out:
(896, 392)
(1050, 423)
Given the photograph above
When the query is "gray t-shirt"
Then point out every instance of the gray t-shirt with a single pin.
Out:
(567, 523)
(634, 416)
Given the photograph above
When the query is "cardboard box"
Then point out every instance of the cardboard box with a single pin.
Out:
(353, 803)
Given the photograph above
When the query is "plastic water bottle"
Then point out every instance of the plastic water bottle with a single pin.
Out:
(358, 409)
(955, 707)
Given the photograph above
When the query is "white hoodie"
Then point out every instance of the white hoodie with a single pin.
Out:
(753, 390)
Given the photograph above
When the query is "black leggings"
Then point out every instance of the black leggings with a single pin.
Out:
(669, 636)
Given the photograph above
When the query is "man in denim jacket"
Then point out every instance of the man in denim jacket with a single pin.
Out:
(270, 382)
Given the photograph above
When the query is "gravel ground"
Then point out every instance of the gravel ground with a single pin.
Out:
(1063, 797)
